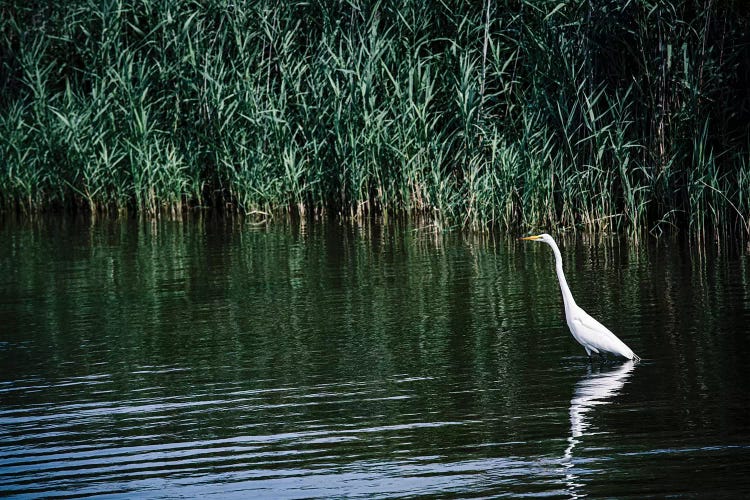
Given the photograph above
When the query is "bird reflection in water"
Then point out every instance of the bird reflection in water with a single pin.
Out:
(593, 389)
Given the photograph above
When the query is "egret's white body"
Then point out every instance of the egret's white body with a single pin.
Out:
(592, 335)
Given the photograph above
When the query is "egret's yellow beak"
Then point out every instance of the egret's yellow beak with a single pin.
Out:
(530, 238)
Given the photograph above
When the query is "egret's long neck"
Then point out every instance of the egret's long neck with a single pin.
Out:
(567, 296)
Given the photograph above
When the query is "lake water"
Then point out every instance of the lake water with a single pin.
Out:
(218, 358)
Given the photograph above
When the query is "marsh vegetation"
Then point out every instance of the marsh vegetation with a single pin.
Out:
(608, 115)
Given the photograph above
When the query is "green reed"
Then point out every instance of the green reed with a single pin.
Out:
(598, 115)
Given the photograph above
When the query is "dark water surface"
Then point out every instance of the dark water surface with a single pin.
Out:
(217, 358)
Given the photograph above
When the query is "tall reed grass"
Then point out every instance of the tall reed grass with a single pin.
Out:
(606, 115)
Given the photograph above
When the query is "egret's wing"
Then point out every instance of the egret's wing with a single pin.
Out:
(598, 336)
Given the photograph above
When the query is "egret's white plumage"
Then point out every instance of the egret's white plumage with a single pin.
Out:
(592, 335)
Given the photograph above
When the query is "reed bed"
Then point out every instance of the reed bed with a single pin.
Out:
(606, 115)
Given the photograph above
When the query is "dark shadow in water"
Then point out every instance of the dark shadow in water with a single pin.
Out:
(595, 388)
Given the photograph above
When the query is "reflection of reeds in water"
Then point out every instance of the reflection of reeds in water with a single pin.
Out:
(477, 114)
(592, 390)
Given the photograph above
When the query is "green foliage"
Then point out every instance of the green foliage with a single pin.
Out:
(605, 115)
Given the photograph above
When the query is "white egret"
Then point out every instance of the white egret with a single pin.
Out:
(592, 335)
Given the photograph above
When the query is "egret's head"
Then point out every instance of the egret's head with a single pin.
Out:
(544, 237)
